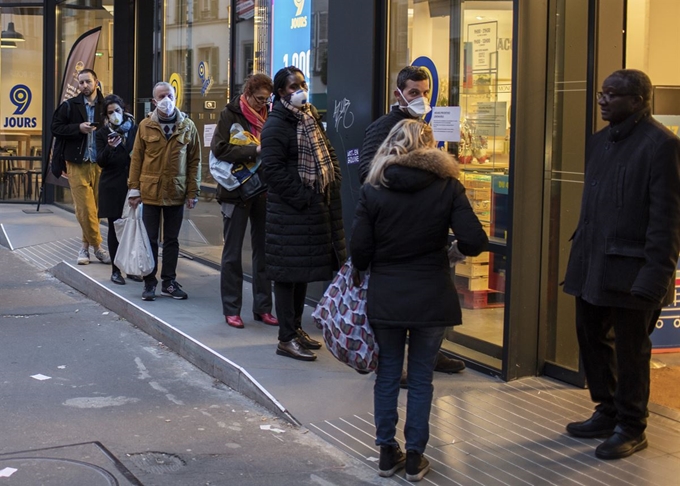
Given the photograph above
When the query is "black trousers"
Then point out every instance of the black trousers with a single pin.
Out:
(616, 353)
(231, 273)
(112, 242)
(172, 222)
(290, 304)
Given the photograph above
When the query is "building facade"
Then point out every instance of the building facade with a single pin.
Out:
(518, 76)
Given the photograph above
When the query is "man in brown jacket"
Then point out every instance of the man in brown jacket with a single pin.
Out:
(165, 173)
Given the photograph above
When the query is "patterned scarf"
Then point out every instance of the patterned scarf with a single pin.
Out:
(314, 160)
(256, 119)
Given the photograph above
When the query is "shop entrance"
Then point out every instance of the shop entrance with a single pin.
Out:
(572, 113)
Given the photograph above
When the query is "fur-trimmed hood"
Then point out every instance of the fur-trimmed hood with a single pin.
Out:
(441, 164)
(418, 169)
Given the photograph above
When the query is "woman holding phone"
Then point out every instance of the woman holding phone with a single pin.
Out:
(115, 138)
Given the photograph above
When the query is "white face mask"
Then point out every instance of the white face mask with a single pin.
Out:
(417, 107)
(166, 105)
(116, 118)
(299, 98)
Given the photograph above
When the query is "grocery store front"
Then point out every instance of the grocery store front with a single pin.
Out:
(522, 78)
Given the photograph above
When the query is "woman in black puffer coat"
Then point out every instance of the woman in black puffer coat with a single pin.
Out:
(114, 140)
(305, 239)
(412, 197)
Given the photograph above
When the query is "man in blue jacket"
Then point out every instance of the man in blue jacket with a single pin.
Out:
(623, 258)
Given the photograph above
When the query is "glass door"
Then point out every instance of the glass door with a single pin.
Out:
(571, 117)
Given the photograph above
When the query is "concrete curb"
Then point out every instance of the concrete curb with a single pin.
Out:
(204, 358)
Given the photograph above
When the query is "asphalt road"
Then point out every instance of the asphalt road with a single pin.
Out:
(87, 399)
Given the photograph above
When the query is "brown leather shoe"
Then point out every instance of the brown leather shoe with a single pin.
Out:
(444, 364)
(306, 340)
(293, 349)
(266, 318)
(234, 321)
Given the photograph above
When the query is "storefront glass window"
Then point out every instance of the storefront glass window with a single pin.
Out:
(268, 35)
(467, 49)
(74, 18)
(21, 102)
(651, 42)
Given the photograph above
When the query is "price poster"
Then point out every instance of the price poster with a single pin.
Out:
(291, 35)
(484, 39)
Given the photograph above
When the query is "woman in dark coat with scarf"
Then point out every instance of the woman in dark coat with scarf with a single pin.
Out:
(305, 240)
(412, 197)
(250, 111)
(114, 140)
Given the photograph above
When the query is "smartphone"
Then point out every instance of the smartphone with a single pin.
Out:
(113, 135)
(94, 124)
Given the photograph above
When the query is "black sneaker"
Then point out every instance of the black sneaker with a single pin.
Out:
(416, 466)
(391, 460)
(149, 292)
(174, 290)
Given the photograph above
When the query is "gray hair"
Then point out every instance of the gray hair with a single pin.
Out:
(162, 83)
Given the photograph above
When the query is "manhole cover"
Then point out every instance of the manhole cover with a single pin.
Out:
(157, 462)
(38, 471)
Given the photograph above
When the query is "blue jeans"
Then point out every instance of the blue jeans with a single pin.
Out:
(424, 344)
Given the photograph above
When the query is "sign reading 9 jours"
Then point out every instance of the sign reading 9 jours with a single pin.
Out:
(291, 40)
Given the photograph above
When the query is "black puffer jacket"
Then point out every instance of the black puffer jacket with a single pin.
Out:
(115, 164)
(401, 232)
(376, 133)
(305, 238)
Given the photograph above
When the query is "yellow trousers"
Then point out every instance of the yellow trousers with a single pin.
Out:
(84, 181)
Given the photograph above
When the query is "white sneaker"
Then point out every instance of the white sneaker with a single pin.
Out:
(84, 256)
(102, 255)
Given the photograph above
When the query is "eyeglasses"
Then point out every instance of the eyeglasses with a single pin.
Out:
(261, 99)
(611, 96)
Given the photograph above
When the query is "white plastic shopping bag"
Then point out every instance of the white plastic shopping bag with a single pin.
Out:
(134, 255)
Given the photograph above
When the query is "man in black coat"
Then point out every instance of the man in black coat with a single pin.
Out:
(413, 89)
(623, 259)
(75, 121)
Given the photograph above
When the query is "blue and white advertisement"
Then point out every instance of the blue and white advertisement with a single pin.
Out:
(291, 35)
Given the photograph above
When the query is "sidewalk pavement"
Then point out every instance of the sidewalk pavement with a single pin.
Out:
(483, 431)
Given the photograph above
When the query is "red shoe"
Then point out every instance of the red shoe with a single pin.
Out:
(266, 318)
(234, 321)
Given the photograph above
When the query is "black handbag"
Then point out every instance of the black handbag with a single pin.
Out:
(251, 187)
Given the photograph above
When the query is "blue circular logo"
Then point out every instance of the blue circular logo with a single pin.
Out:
(20, 96)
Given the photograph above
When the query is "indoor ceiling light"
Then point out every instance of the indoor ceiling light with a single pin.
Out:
(85, 4)
(12, 35)
(9, 45)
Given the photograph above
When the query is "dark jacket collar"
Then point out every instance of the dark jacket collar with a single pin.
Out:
(235, 105)
(625, 128)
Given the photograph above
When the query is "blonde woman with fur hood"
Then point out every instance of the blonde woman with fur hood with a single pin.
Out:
(411, 199)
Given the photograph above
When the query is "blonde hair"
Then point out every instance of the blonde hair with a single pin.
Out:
(406, 136)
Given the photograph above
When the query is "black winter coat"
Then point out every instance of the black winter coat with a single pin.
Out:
(305, 238)
(375, 135)
(625, 248)
(66, 124)
(401, 233)
(115, 164)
